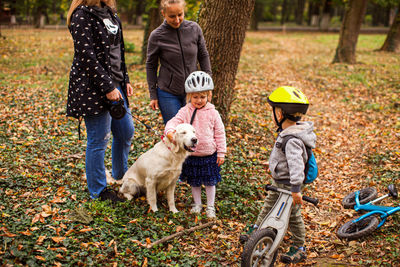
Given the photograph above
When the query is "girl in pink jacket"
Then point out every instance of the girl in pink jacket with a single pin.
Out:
(203, 166)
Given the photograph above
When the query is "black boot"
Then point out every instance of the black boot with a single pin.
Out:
(110, 194)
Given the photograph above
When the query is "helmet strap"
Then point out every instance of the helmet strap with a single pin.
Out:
(279, 123)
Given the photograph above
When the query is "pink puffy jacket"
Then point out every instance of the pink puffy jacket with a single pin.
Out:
(210, 130)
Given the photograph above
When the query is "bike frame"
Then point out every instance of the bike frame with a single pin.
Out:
(278, 220)
(382, 211)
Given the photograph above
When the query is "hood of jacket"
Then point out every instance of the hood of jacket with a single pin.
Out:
(303, 130)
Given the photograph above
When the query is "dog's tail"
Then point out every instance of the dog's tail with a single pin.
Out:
(133, 189)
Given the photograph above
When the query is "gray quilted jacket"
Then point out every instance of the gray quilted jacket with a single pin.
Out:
(288, 168)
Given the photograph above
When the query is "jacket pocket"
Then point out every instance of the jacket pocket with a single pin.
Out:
(170, 80)
(272, 168)
(164, 79)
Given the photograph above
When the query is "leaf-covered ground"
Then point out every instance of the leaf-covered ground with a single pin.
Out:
(356, 113)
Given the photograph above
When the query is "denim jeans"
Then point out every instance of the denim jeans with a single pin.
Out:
(98, 133)
(169, 104)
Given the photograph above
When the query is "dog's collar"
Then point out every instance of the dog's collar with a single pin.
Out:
(162, 139)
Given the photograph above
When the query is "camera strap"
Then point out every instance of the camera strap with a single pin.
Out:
(79, 127)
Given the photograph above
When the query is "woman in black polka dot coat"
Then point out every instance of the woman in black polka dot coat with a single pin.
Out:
(98, 74)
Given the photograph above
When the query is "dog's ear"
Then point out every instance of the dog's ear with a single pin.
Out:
(172, 144)
(176, 144)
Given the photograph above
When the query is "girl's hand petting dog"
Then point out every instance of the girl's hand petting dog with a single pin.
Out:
(170, 136)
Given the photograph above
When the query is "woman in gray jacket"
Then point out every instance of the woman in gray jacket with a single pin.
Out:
(178, 45)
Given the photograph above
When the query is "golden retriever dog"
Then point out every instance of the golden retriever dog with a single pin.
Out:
(159, 168)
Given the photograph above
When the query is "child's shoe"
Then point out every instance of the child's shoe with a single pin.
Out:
(210, 211)
(245, 237)
(196, 208)
(294, 255)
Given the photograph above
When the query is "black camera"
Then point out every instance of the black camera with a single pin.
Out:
(116, 108)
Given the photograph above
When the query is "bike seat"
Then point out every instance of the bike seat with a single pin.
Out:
(393, 191)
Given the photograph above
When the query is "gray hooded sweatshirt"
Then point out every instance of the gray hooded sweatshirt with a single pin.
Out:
(288, 168)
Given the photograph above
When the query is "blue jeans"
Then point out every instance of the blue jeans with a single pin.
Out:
(98, 133)
(169, 104)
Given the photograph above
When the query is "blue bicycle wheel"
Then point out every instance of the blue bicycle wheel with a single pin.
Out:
(355, 230)
(366, 195)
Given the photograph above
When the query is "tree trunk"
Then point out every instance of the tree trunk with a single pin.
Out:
(351, 25)
(377, 14)
(273, 9)
(40, 13)
(326, 16)
(284, 11)
(13, 11)
(313, 13)
(256, 16)
(300, 11)
(154, 20)
(224, 24)
(392, 42)
(139, 13)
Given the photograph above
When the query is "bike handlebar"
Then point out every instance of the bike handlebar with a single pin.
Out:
(305, 198)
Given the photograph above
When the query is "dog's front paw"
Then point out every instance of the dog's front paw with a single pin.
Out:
(173, 210)
(128, 196)
(154, 209)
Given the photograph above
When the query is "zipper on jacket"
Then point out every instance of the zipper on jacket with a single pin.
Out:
(183, 57)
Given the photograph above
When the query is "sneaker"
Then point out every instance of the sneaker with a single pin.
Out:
(294, 255)
(110, 194)
(210, 211)
(196, 208)
(243, 238)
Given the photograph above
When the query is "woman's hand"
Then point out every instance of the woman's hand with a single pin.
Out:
(129, 89)
(220, 161)
(154, 104)
(297, 199)
(114, 95)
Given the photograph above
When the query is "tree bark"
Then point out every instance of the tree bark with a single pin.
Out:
(351, 25)
(392, 42)
(300, 11)
(224, 24)
(154, 20)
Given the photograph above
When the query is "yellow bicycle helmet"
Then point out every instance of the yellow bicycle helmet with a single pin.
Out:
(291, 100)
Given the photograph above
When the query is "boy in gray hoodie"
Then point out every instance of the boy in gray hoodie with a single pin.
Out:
(287, 169)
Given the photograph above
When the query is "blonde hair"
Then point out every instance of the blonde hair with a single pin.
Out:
(167, 3)
(75, 3)
(207, 93)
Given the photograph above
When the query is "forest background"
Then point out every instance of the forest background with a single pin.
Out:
(355, 108)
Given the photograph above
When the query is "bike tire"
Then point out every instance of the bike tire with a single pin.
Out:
(256, 243)
(366, 195)
(351, 230)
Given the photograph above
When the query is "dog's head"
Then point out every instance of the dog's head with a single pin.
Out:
(185, 137)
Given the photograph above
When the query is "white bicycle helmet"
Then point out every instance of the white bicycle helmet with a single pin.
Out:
(198, 81)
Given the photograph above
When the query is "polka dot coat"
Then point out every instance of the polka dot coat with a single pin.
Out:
(90, 76)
